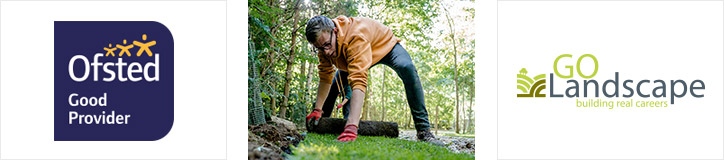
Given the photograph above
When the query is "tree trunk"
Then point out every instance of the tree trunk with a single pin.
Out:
(287, 81)
(384, 80)
(290, 63)
(455, 55)
(457, 103)
(372, 114)
(409, 122)
(470, 108)
(302, 86)
(309, 81)
(465, 122)
(307, 88)
(302, 76)
(273, 105)
(437, 117)
(366, 103)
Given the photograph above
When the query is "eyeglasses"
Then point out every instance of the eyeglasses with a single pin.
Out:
(326, 46)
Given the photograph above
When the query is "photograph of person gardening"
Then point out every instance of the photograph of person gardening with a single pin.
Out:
(361, 79)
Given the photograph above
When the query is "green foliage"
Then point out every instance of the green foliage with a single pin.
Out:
(423, 28)
(317, 146)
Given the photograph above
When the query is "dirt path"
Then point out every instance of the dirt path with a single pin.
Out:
(454, 144)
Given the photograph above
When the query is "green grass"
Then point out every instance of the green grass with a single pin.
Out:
(318, 146)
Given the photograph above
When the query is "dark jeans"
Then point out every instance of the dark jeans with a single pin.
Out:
(329, 105)
(399, 60)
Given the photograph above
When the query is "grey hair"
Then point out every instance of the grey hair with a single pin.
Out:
(316, 26)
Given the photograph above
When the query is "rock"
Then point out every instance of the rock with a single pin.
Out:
(284, 123)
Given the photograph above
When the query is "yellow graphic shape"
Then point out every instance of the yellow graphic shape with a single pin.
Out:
(144, 47)
(110, 50)
(124, 49)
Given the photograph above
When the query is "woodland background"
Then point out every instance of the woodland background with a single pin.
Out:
(438, 34)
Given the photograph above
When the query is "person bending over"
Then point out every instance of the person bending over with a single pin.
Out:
(353, 45)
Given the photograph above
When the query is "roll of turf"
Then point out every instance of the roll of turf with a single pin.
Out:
(366, 128)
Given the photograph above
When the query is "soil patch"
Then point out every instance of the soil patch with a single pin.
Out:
(272, 141)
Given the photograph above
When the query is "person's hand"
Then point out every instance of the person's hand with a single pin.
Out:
(339, 106)
(349, 134)
(315, 115)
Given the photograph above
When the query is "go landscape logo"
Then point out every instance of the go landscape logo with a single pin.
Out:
(113, 81)
(663, 93)
(531, 87)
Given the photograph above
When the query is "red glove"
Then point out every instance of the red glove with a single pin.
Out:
(316, 114)
(349, 134)
(339, 106)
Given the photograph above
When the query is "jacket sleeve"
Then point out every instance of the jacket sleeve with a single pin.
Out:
(359, 60)
(326, 71)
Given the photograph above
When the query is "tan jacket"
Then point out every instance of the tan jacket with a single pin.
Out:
(361, 42)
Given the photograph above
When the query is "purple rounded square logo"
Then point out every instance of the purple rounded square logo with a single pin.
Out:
(113, 81)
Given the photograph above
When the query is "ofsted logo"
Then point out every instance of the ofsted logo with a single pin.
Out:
(113, 81)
